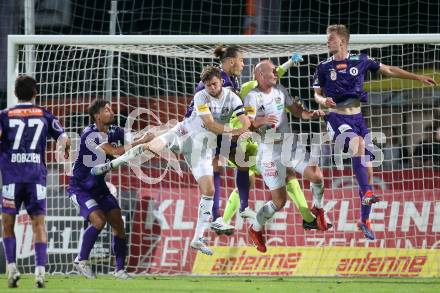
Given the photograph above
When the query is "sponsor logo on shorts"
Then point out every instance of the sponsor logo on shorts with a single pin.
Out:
(7, 203)
(344, 127)
(91, 203)
(271, 173)
(269, 164)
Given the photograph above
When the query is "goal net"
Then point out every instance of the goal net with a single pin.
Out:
(158, 75)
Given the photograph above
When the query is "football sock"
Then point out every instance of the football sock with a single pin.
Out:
(264, 214)
(296, 194)
(216, 199)
(242, 183)
(204, 216)
(231, 206)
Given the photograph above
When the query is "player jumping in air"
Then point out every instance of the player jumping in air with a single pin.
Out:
(250, 148)
(195, 137)
(265, 105)
(231, 60)
(338, 84)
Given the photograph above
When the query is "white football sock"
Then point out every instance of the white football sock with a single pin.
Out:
(264, 214)
(318, 192)
(204, 216)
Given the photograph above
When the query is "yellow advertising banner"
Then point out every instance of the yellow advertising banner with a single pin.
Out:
(320, 261)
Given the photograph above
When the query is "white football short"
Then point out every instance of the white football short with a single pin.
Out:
(274, 159)
(197, 153)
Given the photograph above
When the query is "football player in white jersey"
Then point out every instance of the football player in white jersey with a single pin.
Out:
(195, 137)
(278, 156)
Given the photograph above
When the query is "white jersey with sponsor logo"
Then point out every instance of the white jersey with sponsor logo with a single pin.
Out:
(221, 109)
(259, 104)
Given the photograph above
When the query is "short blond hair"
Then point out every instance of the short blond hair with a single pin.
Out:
(341, 30)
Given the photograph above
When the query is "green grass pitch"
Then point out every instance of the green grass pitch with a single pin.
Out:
(106, 284)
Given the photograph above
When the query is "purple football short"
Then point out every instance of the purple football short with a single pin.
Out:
(31, 195)
(85, 203)
(338, 123)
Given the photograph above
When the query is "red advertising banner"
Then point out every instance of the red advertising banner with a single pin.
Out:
(165, 219)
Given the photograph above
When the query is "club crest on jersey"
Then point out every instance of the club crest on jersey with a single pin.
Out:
(225, 111)
(278, 100)
(333, 75)
(354, 71)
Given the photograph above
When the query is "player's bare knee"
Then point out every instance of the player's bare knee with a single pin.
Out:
(317, 177)
(216, 167)
(8, 227)
(98, 221)
(119, 231)
(38, 227)
(208, 191)
(279, 203)
(215, 164)
(99, 224)
(8, 230)
(118, 225)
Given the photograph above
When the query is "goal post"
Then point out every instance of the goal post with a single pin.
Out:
(157, 75)
(121, 40)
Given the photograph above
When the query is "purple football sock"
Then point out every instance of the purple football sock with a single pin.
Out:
(10, 246)
(361, 174)
(365, 209)
(40, 253)
(216, 205)
(242, 182)
(89, 238)
(120, 251)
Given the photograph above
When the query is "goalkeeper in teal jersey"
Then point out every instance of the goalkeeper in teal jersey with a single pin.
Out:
(250, 149)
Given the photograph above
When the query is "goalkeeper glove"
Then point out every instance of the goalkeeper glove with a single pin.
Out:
(296, 58)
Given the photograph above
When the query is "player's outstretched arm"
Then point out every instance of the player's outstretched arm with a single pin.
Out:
(114, 151)
(393, 71)
(294, 60)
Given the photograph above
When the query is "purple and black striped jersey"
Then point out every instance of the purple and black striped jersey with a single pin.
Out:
(230, 82)
(89, 156)
(24, 131)
(343, 80)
